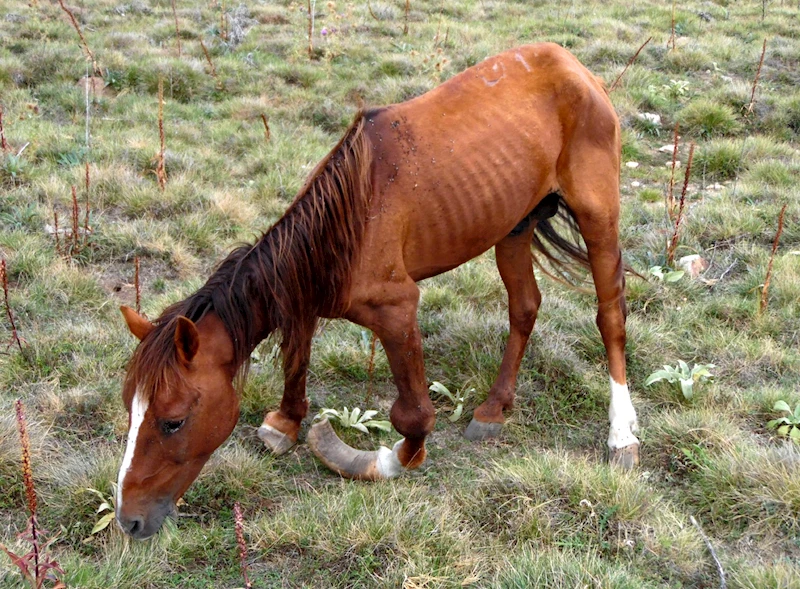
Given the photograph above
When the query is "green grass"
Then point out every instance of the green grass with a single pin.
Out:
(536, 508)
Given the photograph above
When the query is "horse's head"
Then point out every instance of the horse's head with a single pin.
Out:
(182, 406)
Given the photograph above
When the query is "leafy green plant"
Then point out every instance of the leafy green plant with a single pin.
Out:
(457, 400)
(674, 90)
(13, 167)
(355, 419)
(666, 274)
(684, 375)
(107, 508)
(788, 425)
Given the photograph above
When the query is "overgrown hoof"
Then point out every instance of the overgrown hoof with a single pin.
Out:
(482, 430)
(349, 462)
(627, 457)
(275, 440)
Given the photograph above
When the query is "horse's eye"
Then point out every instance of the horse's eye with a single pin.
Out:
(170, 427)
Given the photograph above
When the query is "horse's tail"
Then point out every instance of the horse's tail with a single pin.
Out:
(557, 238)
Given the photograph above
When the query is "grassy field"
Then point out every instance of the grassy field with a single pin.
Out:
(538, 506)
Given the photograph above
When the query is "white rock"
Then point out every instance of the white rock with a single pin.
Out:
(666, 148)
(632, 164)
(650, 117)
(677, 164)
(635, 184)
(716, 186)
(693, 265)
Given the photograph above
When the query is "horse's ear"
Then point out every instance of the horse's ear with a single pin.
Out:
(187, 339)
(138, 325)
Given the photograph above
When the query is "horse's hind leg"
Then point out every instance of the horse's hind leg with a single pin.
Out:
(515, 263)
(593, 196)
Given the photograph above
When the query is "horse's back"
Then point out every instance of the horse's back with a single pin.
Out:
(454, 170)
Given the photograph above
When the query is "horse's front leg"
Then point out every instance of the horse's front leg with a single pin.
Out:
(394, 320)
(280, 428)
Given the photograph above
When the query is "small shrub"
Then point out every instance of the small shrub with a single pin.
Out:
(107, 507)
(682, 374)
(355, 419)
(457, 400)
(666, 274)
(788, 425)
(13, 169)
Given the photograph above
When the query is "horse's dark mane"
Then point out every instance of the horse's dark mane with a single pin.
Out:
(297, 271)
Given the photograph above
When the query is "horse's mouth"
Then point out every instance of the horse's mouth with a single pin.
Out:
(142, 528)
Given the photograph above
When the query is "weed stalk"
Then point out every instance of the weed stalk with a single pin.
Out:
(266, 126)
(674, 241)
(722, 582)
(177, 28)
(137, 285)
(86, 216)
(58, 239)
(84, 44)
(161, 168)
(768, 278)
(671, 192)
(3, 142)
(14, 334)
(408, 10)
(629, 64)
(75, 220)
(212, 70)
(755, 80)
(44, 568)
(371, 12)
(239, 527)
(223, 25)
(671, 41)
(310, 31)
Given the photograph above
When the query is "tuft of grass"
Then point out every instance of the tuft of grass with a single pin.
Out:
(706, 118)
(720, 159)
(564, 569)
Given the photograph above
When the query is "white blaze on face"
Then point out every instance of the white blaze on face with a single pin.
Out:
(622, 416)
(138, 409)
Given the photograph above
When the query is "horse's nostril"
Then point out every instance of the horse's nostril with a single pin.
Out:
(136, 525)
(132, 526)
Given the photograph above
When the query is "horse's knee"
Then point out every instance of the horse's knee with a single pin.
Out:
(413, 421)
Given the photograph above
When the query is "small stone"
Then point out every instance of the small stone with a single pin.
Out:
(666, 148)
(716, 186)
(632, 164)
(650, 117)
(677, 164)
(693, 265)
(636, 184)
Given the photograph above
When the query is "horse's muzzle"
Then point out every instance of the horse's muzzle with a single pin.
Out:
(140, 526)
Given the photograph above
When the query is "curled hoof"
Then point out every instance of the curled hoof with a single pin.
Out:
(482, 430)
(275, 440)
(349, 462)
(626, 457)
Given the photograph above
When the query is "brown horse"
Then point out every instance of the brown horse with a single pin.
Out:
(411, 191)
